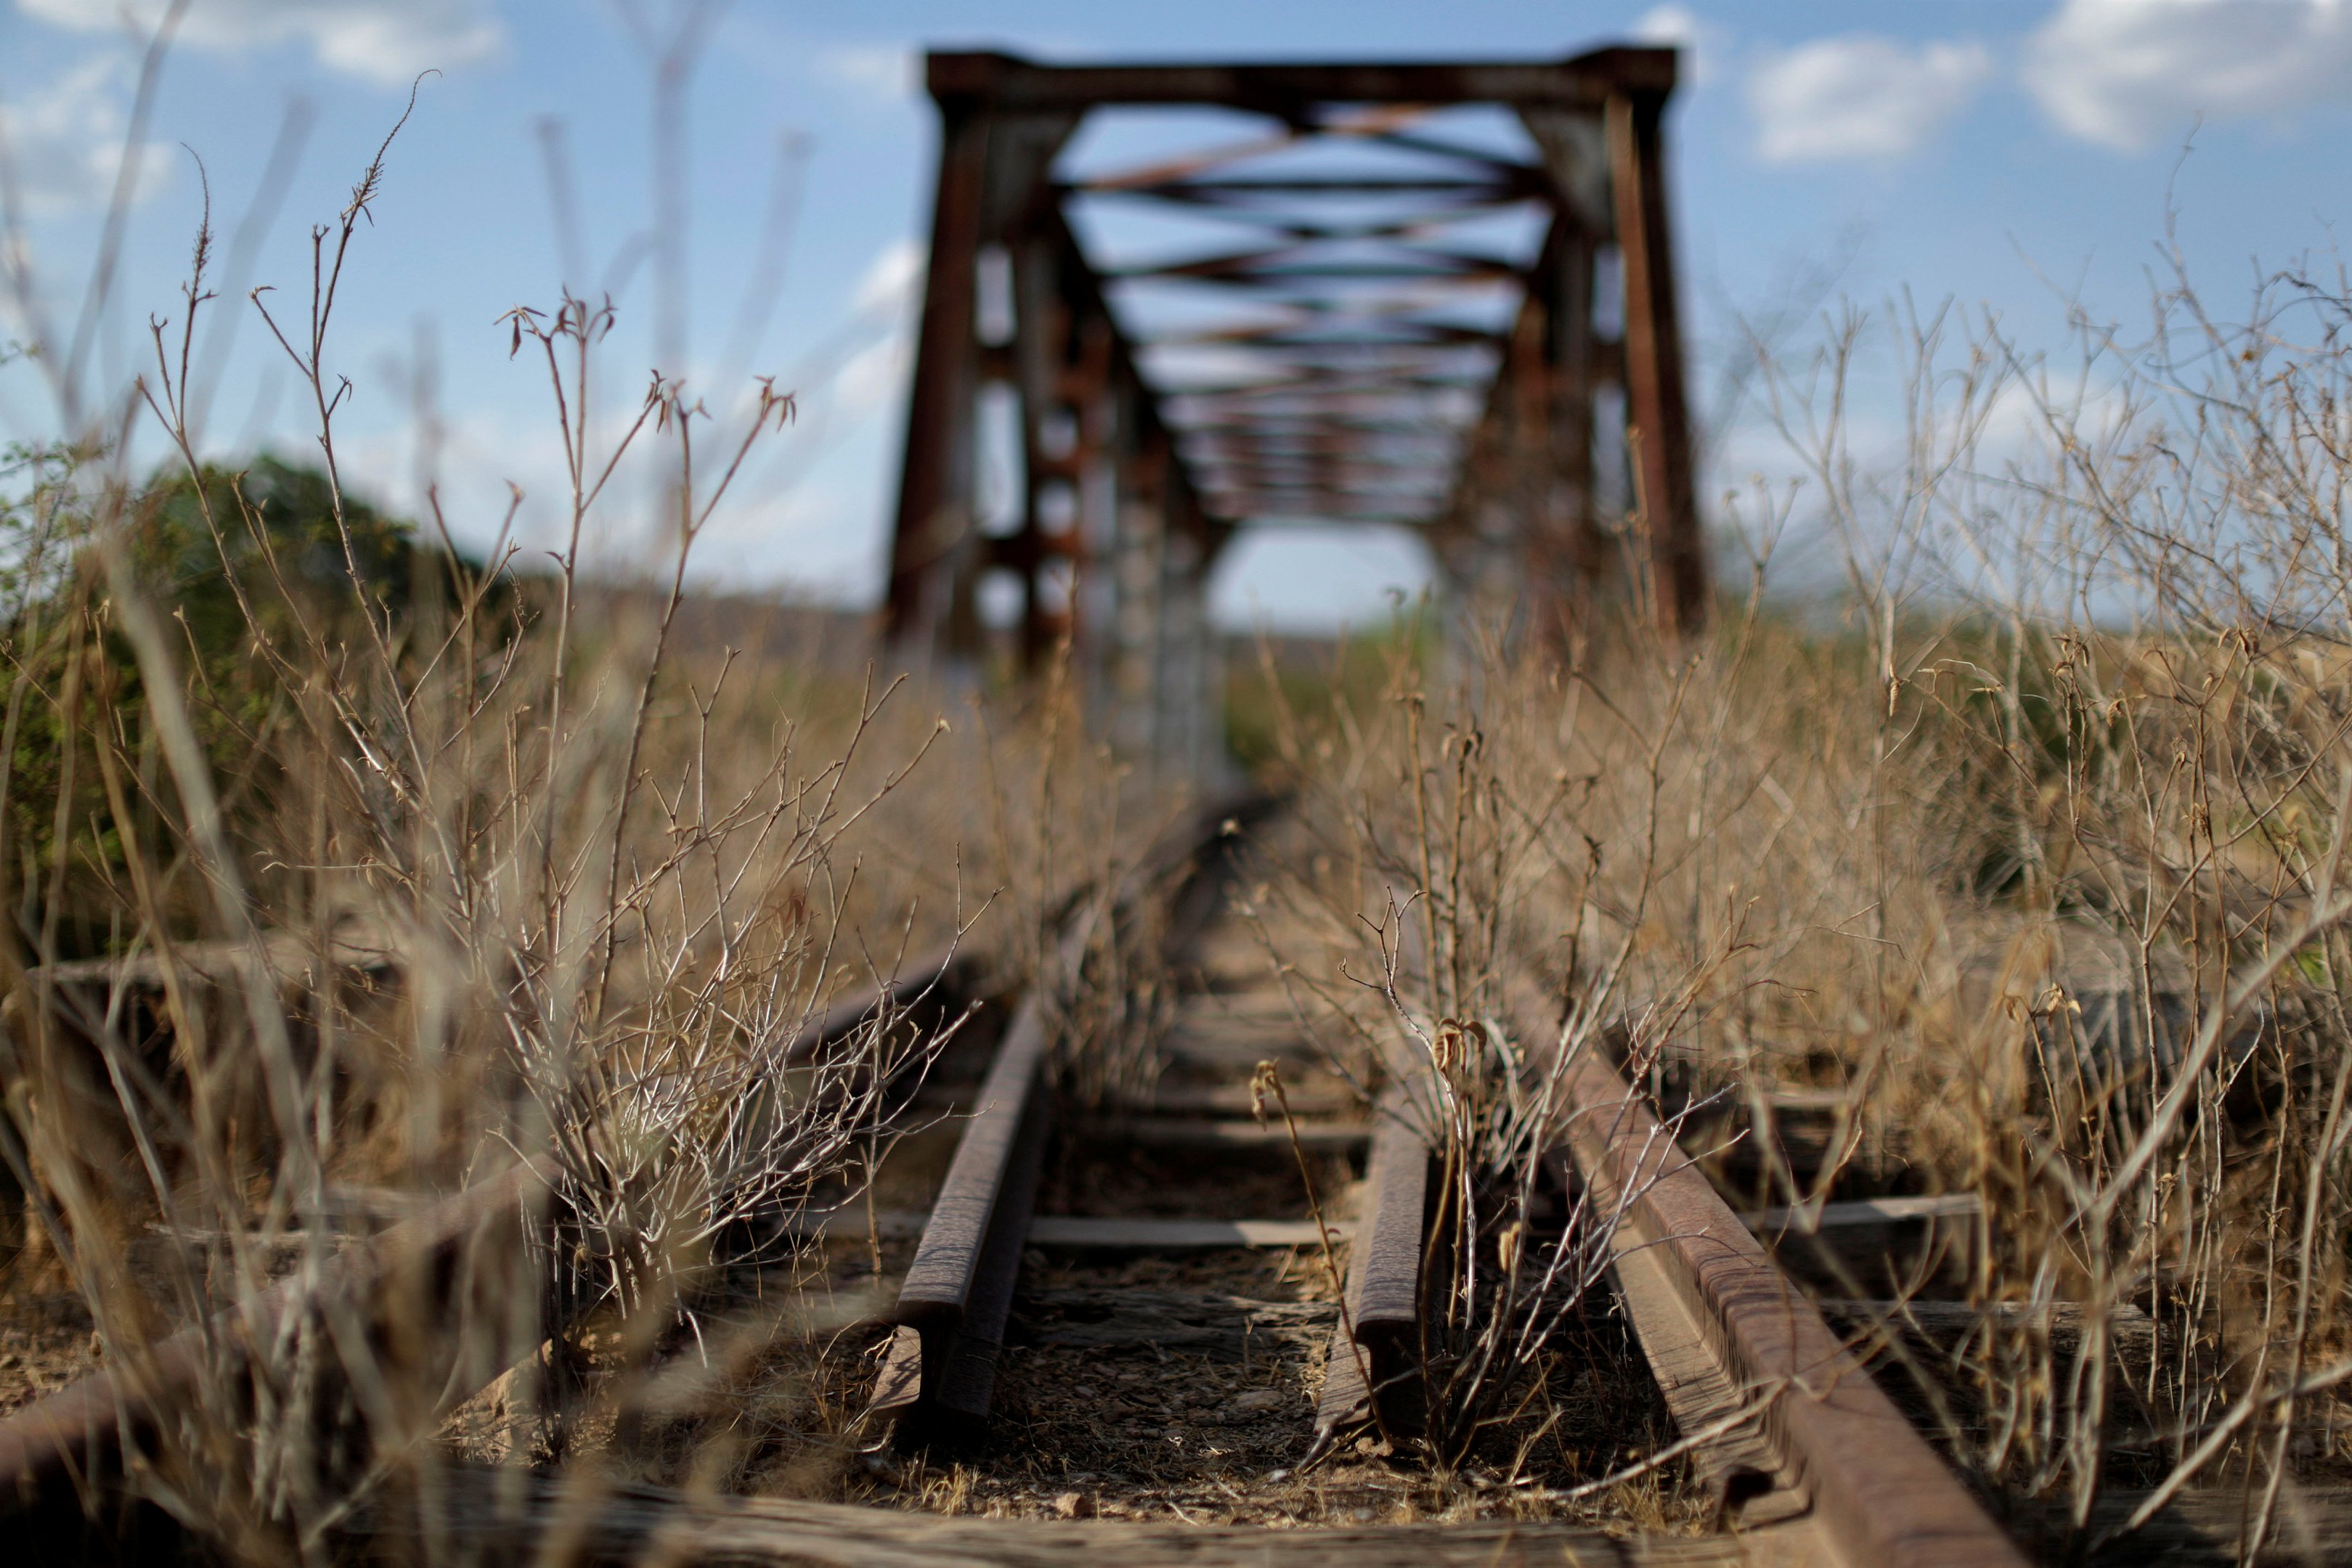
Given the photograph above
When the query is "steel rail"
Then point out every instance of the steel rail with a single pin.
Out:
(938, 1371)
(1697, 1283)
(1374, 1346)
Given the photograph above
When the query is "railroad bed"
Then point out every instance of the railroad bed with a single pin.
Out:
(1165, 1341)
(1168, 1346)
(1057, 1328)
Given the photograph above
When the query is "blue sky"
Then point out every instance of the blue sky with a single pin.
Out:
(2011, 157)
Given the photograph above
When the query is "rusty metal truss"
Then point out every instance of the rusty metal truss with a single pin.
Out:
(1467, 334)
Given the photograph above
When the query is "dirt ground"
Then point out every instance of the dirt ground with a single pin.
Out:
(47, 1340)
(1214, 1431)
(1172, 1388)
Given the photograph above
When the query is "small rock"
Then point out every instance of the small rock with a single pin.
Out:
(1259, 1400)
(1074, 1505)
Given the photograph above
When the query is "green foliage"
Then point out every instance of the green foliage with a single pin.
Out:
(255, 574)
(36, 490)
(273, 527)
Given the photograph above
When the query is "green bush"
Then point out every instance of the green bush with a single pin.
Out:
(255, 577)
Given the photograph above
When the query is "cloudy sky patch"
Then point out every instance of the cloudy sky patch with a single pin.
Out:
(1861, 97)
(2124, 75)
(63, 143)
(382, 41)
(2021, 159)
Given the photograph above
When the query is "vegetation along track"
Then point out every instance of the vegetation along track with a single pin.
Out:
(1200, 1285)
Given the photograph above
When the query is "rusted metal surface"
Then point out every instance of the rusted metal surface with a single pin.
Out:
(958, 1289)
(1178, 1234)
(1659, 436)
(1379, 1332)
(1372, 355)
(940, 1368)
(1693, 1276)
(936, 481)
(1079, 1232)
(939, 1282)
(967, 1380)
(1584, 81)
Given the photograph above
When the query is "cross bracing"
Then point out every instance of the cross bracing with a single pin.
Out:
(1368, 306)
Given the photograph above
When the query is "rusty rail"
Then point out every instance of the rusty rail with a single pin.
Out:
(1725, 1330)
(1378, 1336)
(939, 1373)
(958, 1294)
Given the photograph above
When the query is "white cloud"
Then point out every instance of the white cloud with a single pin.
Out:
(384, 41)
(1700, 41)
(1860, 96)
(64, 145)
(881, 71)
(876, 377)
(2122, 74)
(889, 280)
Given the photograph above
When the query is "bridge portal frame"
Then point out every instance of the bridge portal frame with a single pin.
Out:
(1114, 534)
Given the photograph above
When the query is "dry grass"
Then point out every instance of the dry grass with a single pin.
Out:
(2028, 845)
(404, 871)
(2026, 842)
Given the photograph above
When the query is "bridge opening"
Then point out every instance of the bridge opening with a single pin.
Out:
(1317, 579)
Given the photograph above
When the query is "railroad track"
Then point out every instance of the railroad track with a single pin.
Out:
(1153, 1275)
(1145, 1213)
(1805, 1451)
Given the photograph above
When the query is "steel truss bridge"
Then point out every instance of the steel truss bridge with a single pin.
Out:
(1400, 316)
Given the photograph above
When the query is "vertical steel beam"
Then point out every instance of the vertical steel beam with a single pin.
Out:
(1102, 480)
(994, 188)
(935, 477)
(1041, 330)
(1574, 521)
(1657, 408)
(1136, 566)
